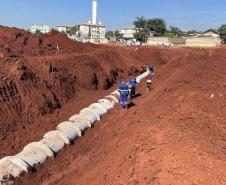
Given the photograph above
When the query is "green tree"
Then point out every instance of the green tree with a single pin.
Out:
(157, 26)
(118, 35)
(109, 35)
(141, 24)
(169, 33)
(73, 31)
(142, 35)
(38, 32)
(222, 32)
(176, 31)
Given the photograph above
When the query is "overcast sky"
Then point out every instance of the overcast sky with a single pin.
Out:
(185, 14)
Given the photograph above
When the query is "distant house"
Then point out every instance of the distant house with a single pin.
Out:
(128, 32)
(63, 28)
(87, 32)
(42, 29)
(211, 33)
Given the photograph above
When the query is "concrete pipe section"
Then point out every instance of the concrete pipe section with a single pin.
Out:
(116, 92)
(35, 153)
(81, 120)
(112, 99)
(11, 167)
(71, 130)
(106, 104)
(90, 115)
(97, 107)
(54, 141)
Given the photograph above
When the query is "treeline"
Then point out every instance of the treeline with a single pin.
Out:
(157, 27)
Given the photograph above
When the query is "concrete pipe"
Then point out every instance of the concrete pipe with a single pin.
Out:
(138, 81)
(90, 115)
(11, 167)
(106, 104)
(35, 153)
(98, 108)
(112, 99)
(81, 120)
(116, 92)
(70, 130)
(55, 140)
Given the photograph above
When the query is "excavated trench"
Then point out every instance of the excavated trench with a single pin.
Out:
(175, 135)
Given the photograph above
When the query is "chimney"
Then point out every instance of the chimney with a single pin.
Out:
(94, 16)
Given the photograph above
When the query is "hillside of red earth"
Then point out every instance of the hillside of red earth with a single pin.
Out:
(173, 135)
(40, 75)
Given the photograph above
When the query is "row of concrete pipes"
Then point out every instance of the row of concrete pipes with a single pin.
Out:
(53, 142)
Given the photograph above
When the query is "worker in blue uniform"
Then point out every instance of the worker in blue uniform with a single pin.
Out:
(132, 85)
(124, 93)
(151, 69)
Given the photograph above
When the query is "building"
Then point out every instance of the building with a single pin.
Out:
(86, 32)
(63, 28)
(211, 33)
(128, 33)
(207, 39)
(94, 33)
(42, 29)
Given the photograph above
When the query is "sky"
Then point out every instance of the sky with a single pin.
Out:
(185, 14)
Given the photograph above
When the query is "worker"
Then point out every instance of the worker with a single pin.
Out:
(151, 69)
(124, 93)
(132, 86)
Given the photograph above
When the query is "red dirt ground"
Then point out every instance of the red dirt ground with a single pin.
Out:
(176, 134)
(37, 81)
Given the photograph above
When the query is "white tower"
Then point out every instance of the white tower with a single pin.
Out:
(94, 16)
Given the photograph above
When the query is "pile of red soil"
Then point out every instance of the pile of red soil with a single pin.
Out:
(173, 135)
(41, 74)
(176, 134)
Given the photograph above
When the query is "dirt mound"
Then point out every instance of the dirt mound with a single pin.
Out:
(174, 135)
(14, 41)
(41, 74)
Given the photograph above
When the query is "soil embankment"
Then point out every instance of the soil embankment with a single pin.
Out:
(176, 134)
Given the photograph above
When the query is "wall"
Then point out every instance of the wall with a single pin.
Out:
(158, 41)
(204, 42)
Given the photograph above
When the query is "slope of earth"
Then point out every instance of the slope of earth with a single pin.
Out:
(40, 76)
(174, 135)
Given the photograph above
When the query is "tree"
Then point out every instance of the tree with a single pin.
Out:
(176, 31)
(73, 31)
(141, 24)
(157, 26)
(109, 35)
(222, 32)
(118, 35)
(38, 32)
(142, 35)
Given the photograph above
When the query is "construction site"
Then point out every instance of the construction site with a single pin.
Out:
(176, 134)
(70, 115)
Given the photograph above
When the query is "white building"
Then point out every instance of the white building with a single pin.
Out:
(128, 33)
(211, 33)
(42, 29)
(63, 28)
(88, 32)
(94, 33)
